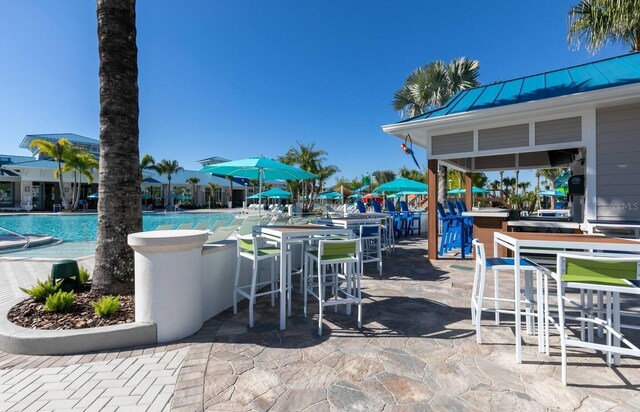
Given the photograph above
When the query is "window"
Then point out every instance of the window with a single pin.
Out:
(6, 194)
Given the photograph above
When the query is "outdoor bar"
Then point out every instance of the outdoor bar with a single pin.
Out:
(585, 118)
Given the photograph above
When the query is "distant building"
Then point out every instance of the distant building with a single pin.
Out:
(28, 182)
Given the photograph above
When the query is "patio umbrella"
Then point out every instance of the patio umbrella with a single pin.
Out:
(372, 196)
(394, 196)
(276, 193)
(330, 195)
(553, 193)
(402, 184)
(474, 190)
(93, 196)
(562, 179)
(355, 196)
(259, 168)
(413, 192)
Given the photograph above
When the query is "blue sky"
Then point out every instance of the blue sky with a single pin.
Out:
(245, 78)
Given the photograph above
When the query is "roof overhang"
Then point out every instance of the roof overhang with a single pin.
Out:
(487, 118)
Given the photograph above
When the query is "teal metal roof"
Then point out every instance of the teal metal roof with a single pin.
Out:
(602, 74)
(54, 137)
(34, 164)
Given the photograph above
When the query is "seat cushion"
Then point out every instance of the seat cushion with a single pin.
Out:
(505, 262)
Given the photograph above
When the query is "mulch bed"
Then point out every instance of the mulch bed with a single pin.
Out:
(30, 314)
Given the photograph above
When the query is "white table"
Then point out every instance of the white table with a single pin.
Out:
(523, 242)
(350, 222)
(286, 234)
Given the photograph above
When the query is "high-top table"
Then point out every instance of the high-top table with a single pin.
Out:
(350, 222)
(284, 235)
(550, 244)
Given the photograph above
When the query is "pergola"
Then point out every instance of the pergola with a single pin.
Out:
(564, 117)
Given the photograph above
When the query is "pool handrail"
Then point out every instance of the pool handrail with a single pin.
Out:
(26, 238)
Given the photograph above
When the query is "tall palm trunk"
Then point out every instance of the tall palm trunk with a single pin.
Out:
(63, 199)
(501, 184)
(442, 183)
(119, 208)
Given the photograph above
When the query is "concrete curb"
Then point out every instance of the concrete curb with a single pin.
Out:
(22, 341)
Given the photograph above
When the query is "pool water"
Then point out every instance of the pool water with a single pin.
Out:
(84, 227)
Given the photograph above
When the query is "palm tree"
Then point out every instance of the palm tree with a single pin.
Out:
(169, 168)
(523, 186)
(596, 23)
(57, 152)
(81, 163)
(147, 162)
(119, 206)
(431, 86)
(517, 184)
(193, 181)
(551, 175)
(213, 188)
(306, 157)
(501, 173)
(384, 176)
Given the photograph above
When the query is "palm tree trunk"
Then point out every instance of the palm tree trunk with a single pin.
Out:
(119, 208)
(63, 199)
(169, 194)
(442, 183)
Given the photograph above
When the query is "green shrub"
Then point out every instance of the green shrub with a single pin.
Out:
(59, 301)
(106, 306)
(84, 275)
(41, 290)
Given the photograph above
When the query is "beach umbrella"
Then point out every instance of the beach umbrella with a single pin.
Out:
(562, 179)
(355, 196)
(372, 196)
(402, 184)
(393, 196)
(93, 196)
(260, 168)
(552, 193)
(414, 192)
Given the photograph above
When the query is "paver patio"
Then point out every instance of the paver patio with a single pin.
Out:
(416, 351)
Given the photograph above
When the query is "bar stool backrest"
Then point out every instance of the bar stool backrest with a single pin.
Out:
(389, 205)
(376, 206)
(598, 268)
(335, 249)
(441, 211)
(481, 257)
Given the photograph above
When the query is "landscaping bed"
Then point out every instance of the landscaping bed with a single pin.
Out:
(81, 315)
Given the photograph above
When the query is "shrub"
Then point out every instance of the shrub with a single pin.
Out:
(84, 275)
(41, 290)
(106, 306)
(59, 301)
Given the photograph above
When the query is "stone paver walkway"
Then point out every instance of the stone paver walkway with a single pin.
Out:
(111, 381)
(416, 351)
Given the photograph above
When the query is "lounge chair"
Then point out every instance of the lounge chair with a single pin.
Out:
(221, 234)
(201, 226)
(185, 226)
(164, 227)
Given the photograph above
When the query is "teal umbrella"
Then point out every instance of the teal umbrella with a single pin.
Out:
(474, 190)
(93, 196)
(413, 192)
(259, 168)
(276, 193)
(394, 196)
(553, 193)
(355, 196)
(401, 185)
(330, 195)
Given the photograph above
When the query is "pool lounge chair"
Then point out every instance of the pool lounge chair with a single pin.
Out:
(222, 233)
(164, 227)
(185, 226)
(202, 226)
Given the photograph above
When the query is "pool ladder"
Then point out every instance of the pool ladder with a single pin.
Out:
(26, 238)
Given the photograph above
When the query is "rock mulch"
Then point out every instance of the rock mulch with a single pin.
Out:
(30, 314)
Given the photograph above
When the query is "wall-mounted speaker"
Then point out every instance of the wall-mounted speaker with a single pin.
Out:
(576, 185)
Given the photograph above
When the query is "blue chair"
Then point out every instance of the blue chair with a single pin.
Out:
(467, 221)
(376, 206)
(397, 218)
(361, 207)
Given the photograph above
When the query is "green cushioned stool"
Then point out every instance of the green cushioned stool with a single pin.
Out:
(66, 269)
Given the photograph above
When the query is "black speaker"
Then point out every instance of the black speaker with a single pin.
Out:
(576, 185)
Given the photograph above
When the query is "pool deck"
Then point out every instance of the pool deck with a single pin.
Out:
(416, 351)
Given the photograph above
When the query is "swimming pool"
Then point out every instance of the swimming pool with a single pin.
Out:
(84, 227)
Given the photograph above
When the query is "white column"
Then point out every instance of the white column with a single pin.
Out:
(169, 281)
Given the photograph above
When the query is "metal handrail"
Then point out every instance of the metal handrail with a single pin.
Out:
(26, 238)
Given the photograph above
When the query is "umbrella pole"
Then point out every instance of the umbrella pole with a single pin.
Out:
(260, 192)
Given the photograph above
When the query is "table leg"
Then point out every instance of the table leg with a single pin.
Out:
(518, 319)
(283, 284)
(616, 326)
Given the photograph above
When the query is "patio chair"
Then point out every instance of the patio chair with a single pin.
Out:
(343, 257)
(164, 227)
(361, 206)
(371, 245)
(608, 273)
(505, 264)
(376, 206)
(398, 218)
(252, 248)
